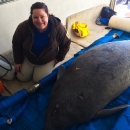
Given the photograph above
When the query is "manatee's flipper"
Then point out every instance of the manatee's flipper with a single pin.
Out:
(107, 112)
(61, 71)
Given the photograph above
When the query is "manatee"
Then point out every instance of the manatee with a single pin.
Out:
(93, 80)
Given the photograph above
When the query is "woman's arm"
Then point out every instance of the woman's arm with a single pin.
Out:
(19, 37)
(64, 42)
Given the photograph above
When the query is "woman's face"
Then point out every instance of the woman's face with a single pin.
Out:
(40, 19)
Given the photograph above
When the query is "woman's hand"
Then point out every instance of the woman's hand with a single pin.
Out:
(18, 67)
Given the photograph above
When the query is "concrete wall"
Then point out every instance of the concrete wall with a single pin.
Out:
(12, 13)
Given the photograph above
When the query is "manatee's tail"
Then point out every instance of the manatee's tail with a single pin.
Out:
(107, 112)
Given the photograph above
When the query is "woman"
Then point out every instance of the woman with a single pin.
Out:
(39, 43)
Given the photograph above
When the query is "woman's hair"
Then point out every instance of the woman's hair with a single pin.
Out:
(39, 5)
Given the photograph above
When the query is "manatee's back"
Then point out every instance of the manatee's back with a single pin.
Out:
(90, 83)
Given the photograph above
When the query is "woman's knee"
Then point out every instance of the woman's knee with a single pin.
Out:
(37, 77)
(42, 71)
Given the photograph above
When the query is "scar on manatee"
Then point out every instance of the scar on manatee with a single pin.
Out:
(77, 68)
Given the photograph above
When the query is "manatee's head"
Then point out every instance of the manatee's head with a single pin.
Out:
(57, 116)
(60, 106)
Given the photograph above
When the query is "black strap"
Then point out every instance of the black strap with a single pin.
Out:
(7, 90)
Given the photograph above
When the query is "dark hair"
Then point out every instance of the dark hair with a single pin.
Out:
(39, 5)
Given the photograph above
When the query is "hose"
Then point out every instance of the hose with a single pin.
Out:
(7, 70)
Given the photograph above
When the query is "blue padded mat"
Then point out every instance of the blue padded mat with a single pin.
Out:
(23, 111)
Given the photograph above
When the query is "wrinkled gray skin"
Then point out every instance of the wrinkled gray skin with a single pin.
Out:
(89, 84)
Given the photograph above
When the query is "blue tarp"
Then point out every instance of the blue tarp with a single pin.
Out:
(23, 111)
